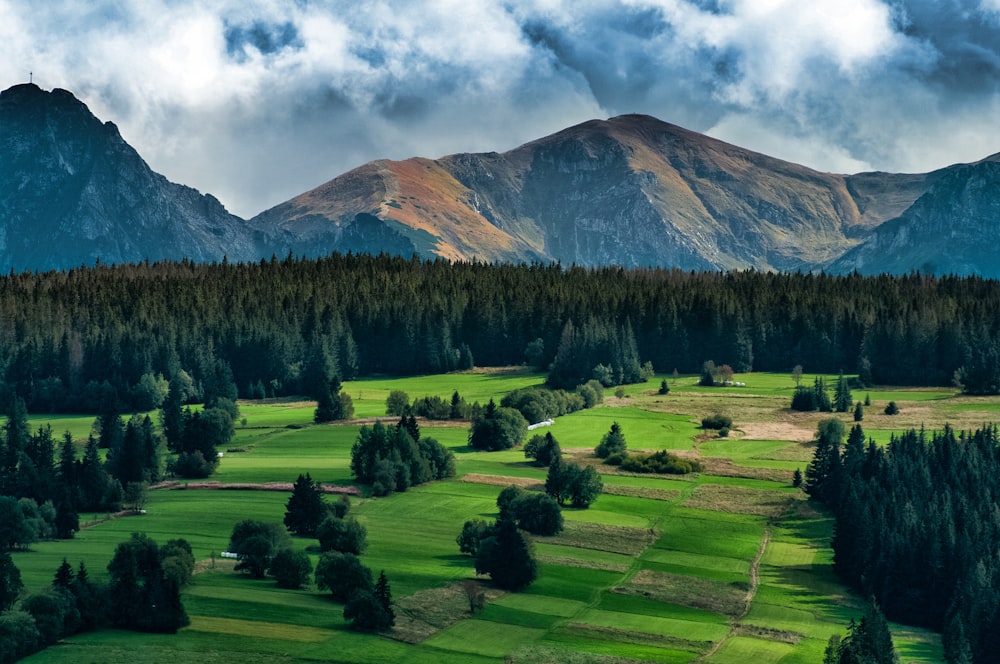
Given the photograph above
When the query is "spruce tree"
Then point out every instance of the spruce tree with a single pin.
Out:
(305, 508)
(842, 398)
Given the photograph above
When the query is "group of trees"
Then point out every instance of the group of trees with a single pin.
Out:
(266, 549)
(538, 404)
(431, 407)
(500, 550)
(142, 594)
(807, 399)
(917, 527)
(868, 641)
(394, 458)
(195, 435)
(272, 328)
(497, 428)
(570, 482)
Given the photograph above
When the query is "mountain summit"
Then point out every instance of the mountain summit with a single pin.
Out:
(73, 192)
(630, 191)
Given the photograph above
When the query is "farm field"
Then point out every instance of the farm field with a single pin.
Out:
(719, 567)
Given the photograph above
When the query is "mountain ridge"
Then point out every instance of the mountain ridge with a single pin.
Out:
(631, 191)
(690, 200)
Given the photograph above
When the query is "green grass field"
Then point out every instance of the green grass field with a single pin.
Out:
(732, 562)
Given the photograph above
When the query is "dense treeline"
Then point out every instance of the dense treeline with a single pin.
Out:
(279, 326)
(917, 526)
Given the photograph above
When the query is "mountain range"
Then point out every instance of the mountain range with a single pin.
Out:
(631, 191)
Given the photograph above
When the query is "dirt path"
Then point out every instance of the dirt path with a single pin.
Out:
(754, 583)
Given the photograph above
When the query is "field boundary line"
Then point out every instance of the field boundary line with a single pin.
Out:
(751, 593)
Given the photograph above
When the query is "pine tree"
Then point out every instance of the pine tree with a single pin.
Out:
(842, 398)
(384, 595)
(305, 508)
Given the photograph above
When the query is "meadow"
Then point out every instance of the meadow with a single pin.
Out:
(719, 567)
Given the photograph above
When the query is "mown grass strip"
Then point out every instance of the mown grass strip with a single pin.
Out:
(257, 629)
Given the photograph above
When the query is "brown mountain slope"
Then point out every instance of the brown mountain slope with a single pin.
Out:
(631, 191)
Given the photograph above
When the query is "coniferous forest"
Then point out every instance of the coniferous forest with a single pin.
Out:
(917, 528)
(275, 327)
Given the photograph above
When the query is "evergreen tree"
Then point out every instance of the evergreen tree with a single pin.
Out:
(859, 413)
(613, 442)
(823, 472)
(305, 508)
(507, 557)
(383, 593)
(842, 398)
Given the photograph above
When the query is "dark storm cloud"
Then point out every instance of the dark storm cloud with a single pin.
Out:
(259, 100)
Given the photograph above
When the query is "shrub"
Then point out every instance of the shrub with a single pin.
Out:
(891, 408)
(724, 432)
(662, 463)
(716, 421)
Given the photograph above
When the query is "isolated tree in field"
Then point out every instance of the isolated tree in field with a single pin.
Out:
(891, 408)
(474, 595)
(664, 388)
(342, 574)
(797, 374)
(305, 508)
(797, 478)
(708, 374)
(507, 557)
(613, 442)
(498, 428)
(543, 449)
(291, 569)
(397, 403)
(859, 413)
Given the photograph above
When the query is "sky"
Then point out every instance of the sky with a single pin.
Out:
(256, 101)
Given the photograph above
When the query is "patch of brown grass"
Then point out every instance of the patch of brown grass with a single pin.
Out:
(423, 614)
(641, 492)
(602, 537)
(584, 564)
(727, 599)
(726, 468)
(740, 500)
(767, 634)
(636, 638)
(504, 480)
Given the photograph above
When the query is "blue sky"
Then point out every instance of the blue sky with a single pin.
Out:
(256, 101)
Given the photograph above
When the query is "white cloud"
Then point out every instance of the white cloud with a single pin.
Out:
(258, 100)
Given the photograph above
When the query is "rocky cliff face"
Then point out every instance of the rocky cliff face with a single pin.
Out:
(72, 192)
(630, 191)
(954, 228)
